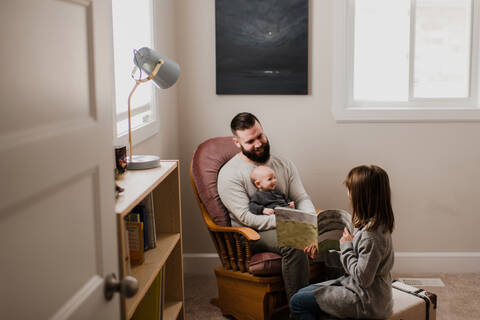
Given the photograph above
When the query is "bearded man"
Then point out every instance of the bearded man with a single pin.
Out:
(235, 189)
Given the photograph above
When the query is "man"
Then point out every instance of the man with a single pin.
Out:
(235, 188)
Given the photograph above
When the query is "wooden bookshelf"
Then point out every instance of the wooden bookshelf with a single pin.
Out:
(164, 185)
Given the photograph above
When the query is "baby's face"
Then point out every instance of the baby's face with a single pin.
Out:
(267, 180)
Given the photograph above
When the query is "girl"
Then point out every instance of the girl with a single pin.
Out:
(366, 257)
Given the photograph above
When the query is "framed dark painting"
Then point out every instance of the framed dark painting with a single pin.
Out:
(261, 46)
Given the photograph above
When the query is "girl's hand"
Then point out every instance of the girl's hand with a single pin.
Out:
(268, 211)
(291, 204)
(346, 236)
(311, 250)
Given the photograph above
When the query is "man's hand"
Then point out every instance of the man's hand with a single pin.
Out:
(268, 211)
(311, 250)
(346, 236)
(291, 204)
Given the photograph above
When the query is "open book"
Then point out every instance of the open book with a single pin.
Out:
(298, 229)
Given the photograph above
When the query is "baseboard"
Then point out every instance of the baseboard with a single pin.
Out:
(435, 262)
(405, 262)
(200, 263)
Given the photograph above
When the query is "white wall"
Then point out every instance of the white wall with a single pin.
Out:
(433, 167)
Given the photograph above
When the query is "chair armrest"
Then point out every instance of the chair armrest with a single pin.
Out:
(234, 253)
(248, 233)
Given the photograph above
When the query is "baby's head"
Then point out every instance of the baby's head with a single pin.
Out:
(263, 178)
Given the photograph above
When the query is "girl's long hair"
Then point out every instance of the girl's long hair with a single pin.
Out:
(370, 196)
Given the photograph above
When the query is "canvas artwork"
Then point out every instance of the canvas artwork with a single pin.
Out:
(261, 46)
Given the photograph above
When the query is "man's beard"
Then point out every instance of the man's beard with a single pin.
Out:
(260, 158)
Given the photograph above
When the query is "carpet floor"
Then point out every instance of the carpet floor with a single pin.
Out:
(459, 299)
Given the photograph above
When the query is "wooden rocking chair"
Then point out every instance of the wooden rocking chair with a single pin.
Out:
(250, 286)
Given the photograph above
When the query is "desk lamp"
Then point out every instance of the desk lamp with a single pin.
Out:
(164, 73)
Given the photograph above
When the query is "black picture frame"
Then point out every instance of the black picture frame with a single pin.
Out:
(261, 46)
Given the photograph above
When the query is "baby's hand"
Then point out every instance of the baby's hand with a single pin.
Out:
(311, 250)
(291, 204)
(268, 211)
(346, 236)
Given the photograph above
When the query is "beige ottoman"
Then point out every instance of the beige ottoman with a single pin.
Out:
(410, 303)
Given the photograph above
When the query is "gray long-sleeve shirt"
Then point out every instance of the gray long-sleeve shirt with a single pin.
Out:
(365, 291)
(267, 199)
(235, 190)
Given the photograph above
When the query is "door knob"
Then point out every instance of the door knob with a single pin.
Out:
(127, 287)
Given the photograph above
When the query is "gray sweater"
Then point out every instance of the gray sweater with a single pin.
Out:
(267, 199)
(235, 189)
(365, 291)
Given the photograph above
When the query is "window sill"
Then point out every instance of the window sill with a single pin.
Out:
(138, 135)
(343, 114)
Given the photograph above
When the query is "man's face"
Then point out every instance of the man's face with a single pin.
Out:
(254, 143)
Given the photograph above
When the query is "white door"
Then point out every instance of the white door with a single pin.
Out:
(57, 221)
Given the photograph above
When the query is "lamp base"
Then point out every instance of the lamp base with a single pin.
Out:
(140, 162)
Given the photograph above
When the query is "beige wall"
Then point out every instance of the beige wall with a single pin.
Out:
(166, 142)
(433, 167)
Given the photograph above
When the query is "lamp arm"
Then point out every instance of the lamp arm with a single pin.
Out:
(154, 72)
(137, 83)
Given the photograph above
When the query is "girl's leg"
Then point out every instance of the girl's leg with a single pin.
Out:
(303, 305)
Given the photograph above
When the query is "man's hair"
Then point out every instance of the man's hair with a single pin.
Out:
(242, 121)
(370, 195)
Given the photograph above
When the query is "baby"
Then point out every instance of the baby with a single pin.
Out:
(267, 197)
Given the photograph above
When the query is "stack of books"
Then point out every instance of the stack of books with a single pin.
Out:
(140, 227)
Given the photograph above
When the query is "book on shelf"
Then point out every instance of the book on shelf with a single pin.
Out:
(145, 211)
(150, 229)
(135, 238)
(298, 229)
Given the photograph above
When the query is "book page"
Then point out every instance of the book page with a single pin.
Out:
(295, 228)
(331, 224)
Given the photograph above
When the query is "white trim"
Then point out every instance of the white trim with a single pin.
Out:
(475, 45)
(421, 110)
(200, 263)
(200, 255)
(152, 127)
(405, 262)
(435, 262)
(411, 60)
(139, 134)
(342, 114)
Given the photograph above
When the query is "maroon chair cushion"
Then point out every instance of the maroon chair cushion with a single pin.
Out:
(265, 264)
(209, 157)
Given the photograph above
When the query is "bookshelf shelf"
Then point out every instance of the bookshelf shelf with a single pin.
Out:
(154, 260)
(166, 259)
(138, 184)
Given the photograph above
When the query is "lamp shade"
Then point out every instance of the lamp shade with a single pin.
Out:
(146, 59)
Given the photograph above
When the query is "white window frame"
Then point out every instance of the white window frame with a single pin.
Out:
(150, 128)
(345, 109)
